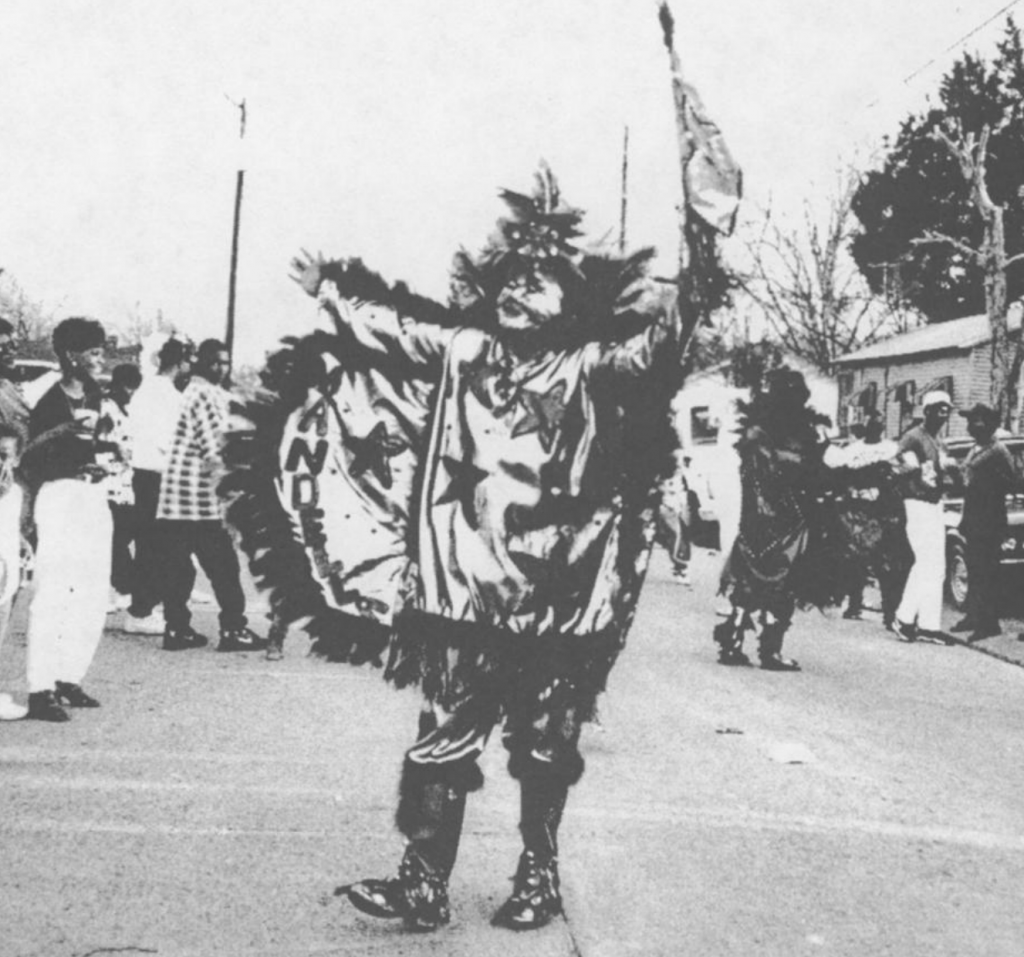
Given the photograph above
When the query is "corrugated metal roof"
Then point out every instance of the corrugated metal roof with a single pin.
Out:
(957, 335)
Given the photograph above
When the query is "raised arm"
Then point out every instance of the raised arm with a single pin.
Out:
(636, 355)
(364, 317)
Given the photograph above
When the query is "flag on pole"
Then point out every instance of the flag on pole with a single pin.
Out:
(714, 181)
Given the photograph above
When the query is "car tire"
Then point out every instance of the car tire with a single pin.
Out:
(956, 576)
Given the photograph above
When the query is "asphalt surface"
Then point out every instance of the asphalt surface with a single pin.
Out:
(869, 805)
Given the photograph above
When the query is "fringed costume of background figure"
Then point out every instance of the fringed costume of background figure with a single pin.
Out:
(467, 497)
(807, 530)
(780, 449)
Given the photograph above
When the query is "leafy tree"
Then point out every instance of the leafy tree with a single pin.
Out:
(943, 219)
(922, 234)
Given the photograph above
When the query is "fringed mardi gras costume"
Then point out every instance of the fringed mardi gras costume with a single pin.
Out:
(807, 531)
(471, 508)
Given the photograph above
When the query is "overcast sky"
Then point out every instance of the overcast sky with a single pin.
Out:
(384, 128)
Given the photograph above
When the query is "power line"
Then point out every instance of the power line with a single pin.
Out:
(962, 40)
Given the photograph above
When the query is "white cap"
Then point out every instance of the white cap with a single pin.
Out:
(936, 398)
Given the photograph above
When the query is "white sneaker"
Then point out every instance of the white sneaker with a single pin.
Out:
(118, 602)
(10, 710)
(150, 625)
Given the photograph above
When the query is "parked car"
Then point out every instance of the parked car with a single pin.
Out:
(957, 583)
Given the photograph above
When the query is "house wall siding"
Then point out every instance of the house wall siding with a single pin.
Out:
(968, 371)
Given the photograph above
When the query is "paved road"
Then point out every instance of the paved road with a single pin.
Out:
(871, 805)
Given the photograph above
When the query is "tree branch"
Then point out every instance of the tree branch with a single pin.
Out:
(931, 238)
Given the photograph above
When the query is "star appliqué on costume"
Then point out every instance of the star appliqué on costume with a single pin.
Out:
(464, 477)
(492, 386)
(544, 414)
(373, 452)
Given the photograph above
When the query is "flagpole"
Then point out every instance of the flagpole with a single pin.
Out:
(229, 332)
(625, 192)
(685, 139)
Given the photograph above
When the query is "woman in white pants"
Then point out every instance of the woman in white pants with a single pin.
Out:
(919, 616)
(64, 461)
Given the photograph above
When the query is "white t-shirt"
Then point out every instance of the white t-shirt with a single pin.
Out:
(152, 417)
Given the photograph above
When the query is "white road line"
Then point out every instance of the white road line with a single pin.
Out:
(660, 815)
(47, 756)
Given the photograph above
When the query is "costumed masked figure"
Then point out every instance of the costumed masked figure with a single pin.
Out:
(807, 530)
(467, 496)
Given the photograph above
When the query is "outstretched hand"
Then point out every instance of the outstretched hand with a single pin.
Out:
(307, 271)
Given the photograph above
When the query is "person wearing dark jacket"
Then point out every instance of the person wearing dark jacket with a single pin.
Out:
(988, 476)
(66, 463)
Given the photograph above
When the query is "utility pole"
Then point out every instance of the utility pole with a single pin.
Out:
(625, 192)
(229, 332)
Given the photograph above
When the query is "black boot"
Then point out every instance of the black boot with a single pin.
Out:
(430, 814)
(418, 894)
(535, 899)
(729, 637)
(770, 648)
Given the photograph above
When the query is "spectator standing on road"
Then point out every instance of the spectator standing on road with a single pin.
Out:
(150, 428)
(923, 455)
(124, 381)
(675, 519)
(64, 462)
(989, 476)
(190, 516)
(11, 503)
(13, 408)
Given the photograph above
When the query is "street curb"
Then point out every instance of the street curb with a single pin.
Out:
(973, 646)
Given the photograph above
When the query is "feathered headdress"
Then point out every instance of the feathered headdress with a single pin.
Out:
(538, 235)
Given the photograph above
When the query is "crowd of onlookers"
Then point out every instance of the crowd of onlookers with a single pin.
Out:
(111, 491)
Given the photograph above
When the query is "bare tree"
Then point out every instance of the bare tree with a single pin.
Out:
(802, 280)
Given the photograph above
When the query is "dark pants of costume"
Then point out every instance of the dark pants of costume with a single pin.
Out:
(149, 556)
(982, 554)
(122, 563)
(541, 733)
(211, 544)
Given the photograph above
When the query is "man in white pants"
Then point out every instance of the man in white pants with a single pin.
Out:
(919, 616)
(64, 461)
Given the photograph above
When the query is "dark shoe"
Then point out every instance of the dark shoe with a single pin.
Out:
(728, 635)
(964, 624)
(182, 639)
(74, 697)
(535, 899)
(43, 706)
(903, 631)
(853, 614)
(935, 637)
(778, 663)
(733, 657)
(240, 639)
(418, 895)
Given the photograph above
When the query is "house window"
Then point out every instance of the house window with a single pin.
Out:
(703, 426)
(845, 382)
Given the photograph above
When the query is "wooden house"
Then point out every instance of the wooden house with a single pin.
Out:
(893, 375)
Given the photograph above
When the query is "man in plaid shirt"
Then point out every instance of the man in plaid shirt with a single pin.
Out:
(190, 512)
